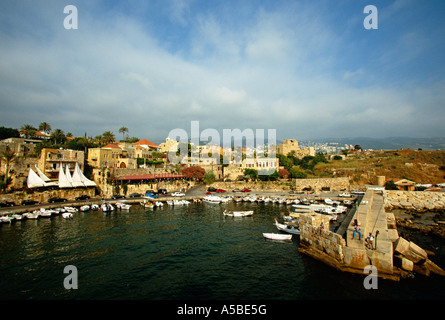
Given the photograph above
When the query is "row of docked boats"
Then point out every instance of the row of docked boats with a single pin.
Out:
(65, 212)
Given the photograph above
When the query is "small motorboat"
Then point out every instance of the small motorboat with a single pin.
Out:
(123, 206)
(277, 236)
(286, 228)
(67, 215)
(71, 209)
(6, 219)
(84, 208)
(32, 215)
(18, 217)
(148, 204)
(238, 213)
(95, 207)
(106, 207)
(212, 199)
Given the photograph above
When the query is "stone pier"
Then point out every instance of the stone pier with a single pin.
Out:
(347, 253)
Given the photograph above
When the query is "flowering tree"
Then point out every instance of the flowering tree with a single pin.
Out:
(195, 172)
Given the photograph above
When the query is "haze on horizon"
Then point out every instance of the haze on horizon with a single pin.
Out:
(308, 69)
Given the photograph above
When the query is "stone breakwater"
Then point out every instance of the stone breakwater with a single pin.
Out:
(414, 200)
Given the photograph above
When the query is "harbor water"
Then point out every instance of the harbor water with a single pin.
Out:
(189, 252)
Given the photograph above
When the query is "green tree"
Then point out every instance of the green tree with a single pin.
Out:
(390, 185)
(209, 177)
(297, 174)
(251, 173)
(9, 157)
(28, 130)
(58, 136)
(123, 130)
(45, 127)
(108, 137)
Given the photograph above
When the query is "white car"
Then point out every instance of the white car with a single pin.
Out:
(178, 194)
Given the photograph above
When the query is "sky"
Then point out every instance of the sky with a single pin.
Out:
(308, 69)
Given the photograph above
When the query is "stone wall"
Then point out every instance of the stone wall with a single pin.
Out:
(260, 186)
(414, 200)
(43, 196)
(319, 184)
(323, 241)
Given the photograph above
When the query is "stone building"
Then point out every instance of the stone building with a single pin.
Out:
(51, 159)
(290, 146)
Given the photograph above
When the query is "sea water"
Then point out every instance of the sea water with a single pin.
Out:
(179, 253)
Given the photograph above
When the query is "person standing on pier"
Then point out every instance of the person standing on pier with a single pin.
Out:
(357, 230)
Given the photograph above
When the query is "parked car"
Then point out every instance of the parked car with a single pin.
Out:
(29, 202)
(56, 199)
(150, 191)
(6, 204)
(211, 189)
(84, 197)
(245, 190)
(178, 194)
(162, 191)
(236, 190)
(136, 195)
(118, 196)
(220, 190)
(151, 195)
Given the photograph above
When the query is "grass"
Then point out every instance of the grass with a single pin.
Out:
(418, 166)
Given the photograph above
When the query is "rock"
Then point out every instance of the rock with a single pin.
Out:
(410, 250)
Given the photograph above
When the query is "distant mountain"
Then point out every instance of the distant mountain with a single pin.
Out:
(391, 143)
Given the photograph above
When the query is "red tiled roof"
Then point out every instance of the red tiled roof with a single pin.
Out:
(151, 176)
(146, 142)
(111, 146)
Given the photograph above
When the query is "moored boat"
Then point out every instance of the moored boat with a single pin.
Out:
(106, 207)
(287, 228)
(211, 199)
(238, 213)
(277, 236)
(84, 208)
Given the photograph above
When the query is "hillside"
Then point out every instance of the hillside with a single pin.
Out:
(363, 168)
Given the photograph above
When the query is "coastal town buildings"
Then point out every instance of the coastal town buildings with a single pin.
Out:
(50, 161)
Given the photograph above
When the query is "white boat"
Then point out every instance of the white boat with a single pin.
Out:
(159, 204)
(123, 206)
(106, 207)
(84, 208)
(277, 236)
(6, 219)
(212, 199)
(147, 204)
(238, 213)
(287, 228)
(44, 213)
(18, 217)
(67, 215)
(238, 199)
(71, 209)
(32, 215)
(170, 203)
(95, 207)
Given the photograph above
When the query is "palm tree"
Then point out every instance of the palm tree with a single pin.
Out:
(123, 130)
(9, 157)
(58, 135)
(108, 137)
(28, 130)
(45, 127)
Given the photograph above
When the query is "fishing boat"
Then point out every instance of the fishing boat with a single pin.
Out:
(67, 215)
(6, 219)
(18, 217)
(211, 199)
(286, 228)
(238, 213)
(123, 206)
(95, 207)
(238, 199)
(32, 215)
(44, 213)
(71, 209)
(84, 208)
(148, 204)
(106, 207)
(277, 236)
